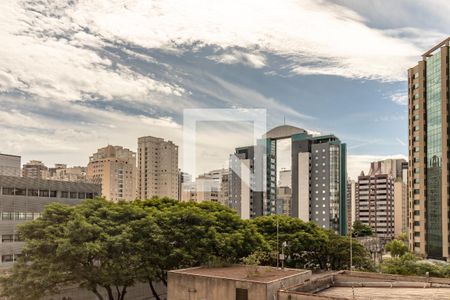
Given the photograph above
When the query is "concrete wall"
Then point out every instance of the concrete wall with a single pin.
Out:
(191, 287)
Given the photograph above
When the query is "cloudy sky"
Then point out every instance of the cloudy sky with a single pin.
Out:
(78, 75)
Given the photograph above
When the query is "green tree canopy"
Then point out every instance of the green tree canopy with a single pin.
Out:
(106, 247)
(397, 248)
(359, 229)
(309, 246)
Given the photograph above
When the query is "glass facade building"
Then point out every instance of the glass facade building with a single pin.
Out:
(428, 180)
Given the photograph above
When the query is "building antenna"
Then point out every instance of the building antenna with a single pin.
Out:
(284, 120)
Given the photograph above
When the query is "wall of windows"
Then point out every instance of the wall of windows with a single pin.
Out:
(11, 191)
(434, 156)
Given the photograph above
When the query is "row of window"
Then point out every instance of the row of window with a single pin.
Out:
(9, 238)
(19, 216)
(11, 191)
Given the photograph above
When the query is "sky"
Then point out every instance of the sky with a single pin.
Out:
(79, 75)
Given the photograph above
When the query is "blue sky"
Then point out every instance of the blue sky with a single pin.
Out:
(77, 75)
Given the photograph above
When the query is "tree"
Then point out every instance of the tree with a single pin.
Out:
(198, 234)
(397, 248)
(309, 246)
(89, 244)
(360, 229)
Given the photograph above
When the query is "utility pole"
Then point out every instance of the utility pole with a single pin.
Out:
(278, 242)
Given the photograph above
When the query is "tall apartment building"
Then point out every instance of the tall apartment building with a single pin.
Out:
(381, 198)
(114, 167)
(428, 130)
(158, 173)
(23, 199)
(375, 197)
(318, 178)
(35, 169)
(10, 165)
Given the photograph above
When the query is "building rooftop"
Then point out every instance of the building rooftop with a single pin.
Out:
(283, 131)
(374, 286)
(243, 273)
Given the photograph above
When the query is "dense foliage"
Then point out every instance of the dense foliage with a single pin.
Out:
(359, 229)
(409, 264)
(104, 246)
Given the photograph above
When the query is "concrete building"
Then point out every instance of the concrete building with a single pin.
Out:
(346, 285)
(35, 169)
(318, 178)
(285, 178)
(114, 167)
(158, 173)
(23, 199)
(265, 283)
(428, 131)
(284, 200)
(382, 196)
(232, 283)
(10, 165)
(375, 199)
(63, 173)
(210, 186)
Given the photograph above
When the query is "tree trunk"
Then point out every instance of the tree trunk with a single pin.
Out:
(124, 291)
(99, 296)
(155, 294)
(110, 293)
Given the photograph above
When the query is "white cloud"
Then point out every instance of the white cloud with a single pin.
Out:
(335, 38)
(254, 60)
(358, 163)
(400, 98)
(42, 56)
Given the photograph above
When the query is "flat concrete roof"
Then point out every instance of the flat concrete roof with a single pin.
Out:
(243, 273)
(377, 293)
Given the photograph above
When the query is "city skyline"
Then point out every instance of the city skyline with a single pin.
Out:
(109, 85)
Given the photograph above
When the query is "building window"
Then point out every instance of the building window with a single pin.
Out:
(241, 294)
(53, 194)
(73, 195)
(64, 194)
(33, 193)
(7, 216)
(7, 258)
(8, 191)
(7, 238)
(44, 193)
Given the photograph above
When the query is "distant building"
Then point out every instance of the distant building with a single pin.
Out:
(35, 169)
(382, 198)
(158, 174)
(285, 178)
(10, 165)
(284, 200)
(210, 186)
(63, 173)
(23, 199)
(114, 167)
(318, 178)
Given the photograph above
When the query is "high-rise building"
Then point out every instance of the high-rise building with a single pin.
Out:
(381, 198)
(375, 208)
(114, 167)
(428, 130)
(23, 199)
(158, 173)
(318, 178)
(10, 165)
(285, 178)
(35, 169)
